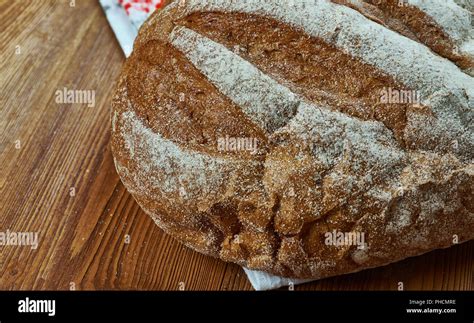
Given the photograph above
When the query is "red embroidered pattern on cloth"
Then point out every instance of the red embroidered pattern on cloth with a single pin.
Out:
(146, 6)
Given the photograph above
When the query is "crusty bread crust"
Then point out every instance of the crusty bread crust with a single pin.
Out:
(409, 19)
(304, 83)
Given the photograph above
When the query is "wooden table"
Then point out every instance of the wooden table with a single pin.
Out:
(57, 176)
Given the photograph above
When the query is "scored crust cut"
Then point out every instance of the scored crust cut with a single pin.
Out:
(304, 81)
(441, 25)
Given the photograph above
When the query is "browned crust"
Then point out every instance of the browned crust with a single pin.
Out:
(180, 103)
(311, 67)
(412, 23)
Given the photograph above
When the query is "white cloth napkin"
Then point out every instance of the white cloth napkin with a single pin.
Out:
(125, 17)
(261, 280)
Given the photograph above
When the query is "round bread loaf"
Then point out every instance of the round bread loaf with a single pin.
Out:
(303, 138)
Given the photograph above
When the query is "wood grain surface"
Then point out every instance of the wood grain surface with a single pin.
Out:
(57, 176)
